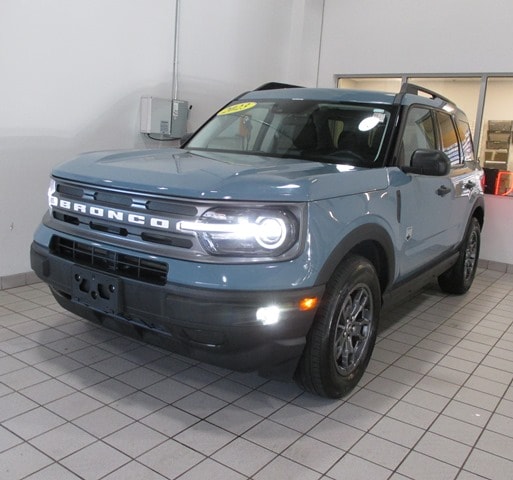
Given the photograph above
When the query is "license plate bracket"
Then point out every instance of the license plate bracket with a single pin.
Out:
(95, 289)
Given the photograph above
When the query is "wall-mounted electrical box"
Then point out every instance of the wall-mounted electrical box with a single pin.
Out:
(165, 117)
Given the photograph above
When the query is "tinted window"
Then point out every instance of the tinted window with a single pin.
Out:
(448, 138)
(466, 140)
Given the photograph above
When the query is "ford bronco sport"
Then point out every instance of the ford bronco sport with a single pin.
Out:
(271, 238)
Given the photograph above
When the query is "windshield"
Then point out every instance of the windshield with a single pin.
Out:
(326, 132)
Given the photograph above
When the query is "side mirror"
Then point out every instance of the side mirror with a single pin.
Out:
(429, 162)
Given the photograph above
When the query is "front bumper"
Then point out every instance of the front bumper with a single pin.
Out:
(215, 326)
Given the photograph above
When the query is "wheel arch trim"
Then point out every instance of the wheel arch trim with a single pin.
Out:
(373, 242)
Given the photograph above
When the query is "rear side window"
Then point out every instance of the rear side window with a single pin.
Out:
(466, 140)
(448, 138)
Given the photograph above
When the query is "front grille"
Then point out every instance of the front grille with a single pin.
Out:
(108, 261)
(128, 215)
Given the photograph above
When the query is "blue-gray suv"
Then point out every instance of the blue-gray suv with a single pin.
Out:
(272, 237)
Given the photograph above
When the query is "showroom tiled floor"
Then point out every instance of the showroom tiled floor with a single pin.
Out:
(81, 402)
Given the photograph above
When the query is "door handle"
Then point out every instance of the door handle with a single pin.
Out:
(443, 190)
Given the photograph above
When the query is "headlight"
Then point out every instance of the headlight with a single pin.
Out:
(266, 232)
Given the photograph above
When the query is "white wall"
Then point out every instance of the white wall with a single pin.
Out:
(227, 47)
(72, 73)
(439, 36)
(71, 76)
(498, 230)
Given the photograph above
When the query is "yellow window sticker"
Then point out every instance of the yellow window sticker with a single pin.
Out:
(238, 107)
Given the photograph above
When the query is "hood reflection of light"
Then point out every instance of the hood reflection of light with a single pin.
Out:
(345, 168)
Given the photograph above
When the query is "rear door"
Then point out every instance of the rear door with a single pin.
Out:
(456, 142)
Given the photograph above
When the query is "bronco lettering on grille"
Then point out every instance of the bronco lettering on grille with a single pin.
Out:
(110, 214)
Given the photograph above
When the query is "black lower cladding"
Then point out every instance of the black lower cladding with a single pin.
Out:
(215, 326)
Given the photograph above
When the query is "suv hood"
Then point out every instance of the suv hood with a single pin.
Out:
(216, 176)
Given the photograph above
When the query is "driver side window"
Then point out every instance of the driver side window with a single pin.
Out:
(419, 132)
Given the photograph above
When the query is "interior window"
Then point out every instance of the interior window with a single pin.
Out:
(418, 133)
(448, 137)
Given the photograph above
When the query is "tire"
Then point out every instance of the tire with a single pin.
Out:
(340, 342)
(458, 279)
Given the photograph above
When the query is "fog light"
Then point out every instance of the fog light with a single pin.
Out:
(268, 315)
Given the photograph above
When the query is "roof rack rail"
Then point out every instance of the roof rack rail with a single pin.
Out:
(275, 85)
(416, 89)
